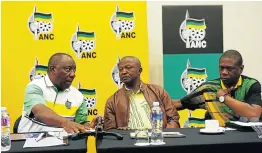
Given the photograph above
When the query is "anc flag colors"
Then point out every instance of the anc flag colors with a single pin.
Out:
(124, 16)
(196, 73)
(88, 93)
(196, 122)
(42, 17)
(40, 69)
(195, 24)
(85, 35)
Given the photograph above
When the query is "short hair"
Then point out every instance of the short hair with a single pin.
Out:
(233, 54)
(134, 58)
(56, 58)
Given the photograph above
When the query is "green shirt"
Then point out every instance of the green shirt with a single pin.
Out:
(247, 90)
(69, 103)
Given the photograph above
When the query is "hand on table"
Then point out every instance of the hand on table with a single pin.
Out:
(73, 127)
(123, 128)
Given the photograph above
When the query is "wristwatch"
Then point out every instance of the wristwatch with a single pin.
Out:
(222, 98)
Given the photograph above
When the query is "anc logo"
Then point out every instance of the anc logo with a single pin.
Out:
(123, 24)
(84, 43)
(90, 99)
(192, 77)
(115, 74)
(41, 25)
(37, 71)
(193, 31)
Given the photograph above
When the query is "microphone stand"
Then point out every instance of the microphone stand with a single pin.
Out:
(99, 133)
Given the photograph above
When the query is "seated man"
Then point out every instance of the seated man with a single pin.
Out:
(231, 97)
(51, 103)
(129, 107)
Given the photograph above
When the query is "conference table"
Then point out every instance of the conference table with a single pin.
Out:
(230, 141)
(74, 146)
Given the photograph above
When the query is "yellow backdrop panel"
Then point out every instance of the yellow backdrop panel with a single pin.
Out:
(108, 29)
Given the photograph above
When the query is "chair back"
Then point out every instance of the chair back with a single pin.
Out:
(16, 124)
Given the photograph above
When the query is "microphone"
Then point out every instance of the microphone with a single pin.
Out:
(98, 132)
(99, 124)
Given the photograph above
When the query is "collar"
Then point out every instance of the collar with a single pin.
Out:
(139, 90)
(49, 83)
(239, 83)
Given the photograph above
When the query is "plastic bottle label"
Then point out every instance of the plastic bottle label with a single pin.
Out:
(157, 116)
(4, 122)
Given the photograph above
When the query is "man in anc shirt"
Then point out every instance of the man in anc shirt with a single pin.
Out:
(129, 107)
(230, 97)
(51, 103)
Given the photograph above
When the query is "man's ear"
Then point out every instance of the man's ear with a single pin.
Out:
(140, 70)
(241, 68)
(52, 69)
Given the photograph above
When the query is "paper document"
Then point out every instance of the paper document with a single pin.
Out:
(45, 142)
(24, 136)
(230, 129)
(249, 124)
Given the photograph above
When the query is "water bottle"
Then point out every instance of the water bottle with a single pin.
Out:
(157, 125)
(186, 124)
(5, 126)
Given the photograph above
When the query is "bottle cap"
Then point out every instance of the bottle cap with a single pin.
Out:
(3, 109)
(156, 103)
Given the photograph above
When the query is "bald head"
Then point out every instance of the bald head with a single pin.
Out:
(134, 59)
(55, 59)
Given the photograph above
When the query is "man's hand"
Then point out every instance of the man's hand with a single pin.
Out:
(73, 127)
(99, 119)
(49, 117)
(123, 128)
(222, 92)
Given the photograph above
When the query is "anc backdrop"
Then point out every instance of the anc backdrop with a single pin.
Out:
(192, 45)
(95, 34)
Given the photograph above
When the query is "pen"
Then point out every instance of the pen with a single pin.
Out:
(40, 137)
